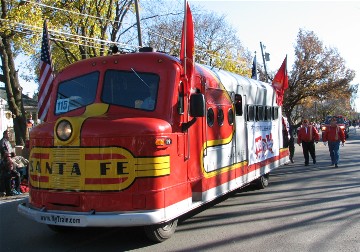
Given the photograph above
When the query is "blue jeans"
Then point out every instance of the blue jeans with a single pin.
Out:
(334, 151)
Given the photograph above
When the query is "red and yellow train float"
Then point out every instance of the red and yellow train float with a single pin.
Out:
(127, 142)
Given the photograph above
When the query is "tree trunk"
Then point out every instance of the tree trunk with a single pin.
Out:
(13, 90)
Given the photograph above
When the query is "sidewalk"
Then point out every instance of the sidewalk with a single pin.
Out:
(6, 199)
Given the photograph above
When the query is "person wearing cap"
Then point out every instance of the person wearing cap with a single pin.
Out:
(307, 136)
(333, 136)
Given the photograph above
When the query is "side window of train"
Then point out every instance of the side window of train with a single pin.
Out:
(180, 104)
(230, 116)
(220, 116)
(210, 117)
(250, 113)
(267, 113)
(259, 113)
(247, 112)
(275, 113)
(238, 105)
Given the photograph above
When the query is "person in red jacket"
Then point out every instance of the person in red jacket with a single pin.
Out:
(307, 135)
(334, 135)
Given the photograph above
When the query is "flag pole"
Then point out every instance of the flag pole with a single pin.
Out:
(185, 35)
(263, 57)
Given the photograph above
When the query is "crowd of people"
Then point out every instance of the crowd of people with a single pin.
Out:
(308, 135)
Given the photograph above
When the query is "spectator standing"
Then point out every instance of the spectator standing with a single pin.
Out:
(5, 145)
(292, 131)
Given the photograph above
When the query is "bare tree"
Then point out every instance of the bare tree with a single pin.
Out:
(216, 42)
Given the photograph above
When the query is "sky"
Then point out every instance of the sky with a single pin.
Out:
(277, 23)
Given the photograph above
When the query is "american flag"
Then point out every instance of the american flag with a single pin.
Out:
(46, 76)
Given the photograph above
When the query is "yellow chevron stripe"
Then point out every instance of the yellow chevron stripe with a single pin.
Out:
(92, 110)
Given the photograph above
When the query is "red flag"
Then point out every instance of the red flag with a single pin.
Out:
(187, 44)
(46, 76)
(281, 82)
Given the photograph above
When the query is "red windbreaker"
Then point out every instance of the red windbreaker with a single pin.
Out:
(308, 136)
(334, 134)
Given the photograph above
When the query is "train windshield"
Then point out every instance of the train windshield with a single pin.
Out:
(131, 89)
(76, 93)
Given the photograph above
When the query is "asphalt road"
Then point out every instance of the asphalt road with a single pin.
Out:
(305, 208)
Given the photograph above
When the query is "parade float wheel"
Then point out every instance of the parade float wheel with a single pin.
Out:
(263, 181)
(161, 232)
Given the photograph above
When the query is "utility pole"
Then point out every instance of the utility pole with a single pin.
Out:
(264, 56)
(138, 23)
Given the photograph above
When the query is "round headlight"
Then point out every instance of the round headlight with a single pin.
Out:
(64, 130)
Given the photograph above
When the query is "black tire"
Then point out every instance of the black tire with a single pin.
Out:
(262, 182)
(161, 232)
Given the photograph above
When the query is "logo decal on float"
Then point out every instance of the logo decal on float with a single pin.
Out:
(91, 169)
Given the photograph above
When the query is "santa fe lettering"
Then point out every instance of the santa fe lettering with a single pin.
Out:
(59, 168)
(120, 168)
